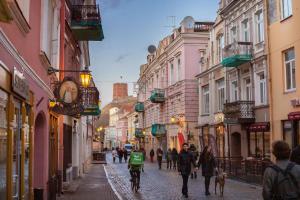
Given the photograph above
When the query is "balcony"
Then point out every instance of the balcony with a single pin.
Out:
(157, 96)
(86, 23)
(158, 130)
(239, 112)
(139, 133)
(139, 107)
(237, 53)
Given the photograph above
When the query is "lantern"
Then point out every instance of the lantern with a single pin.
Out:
(85, 77)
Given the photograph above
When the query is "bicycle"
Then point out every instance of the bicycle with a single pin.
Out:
(135, 184)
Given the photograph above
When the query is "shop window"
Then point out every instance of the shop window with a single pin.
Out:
(3, 143)
(288, 132)
(259, 144)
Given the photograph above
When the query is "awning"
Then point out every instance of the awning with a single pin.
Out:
(294, 116)
(259, 127)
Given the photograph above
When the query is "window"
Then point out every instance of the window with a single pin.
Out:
(259, 26)
(286, 8)
(290, 70)
(245, 31)
(233, 35)
(178, 70)
(234, 91)
(172, 74)
(220, 94)
(262, 89)
(259, 144)
(205, 99)
(220, 47)
(248, 93)
(163, 78)
(288, 132)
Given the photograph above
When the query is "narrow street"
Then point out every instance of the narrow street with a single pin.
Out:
(155, 185)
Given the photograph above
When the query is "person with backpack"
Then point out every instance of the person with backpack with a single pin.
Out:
(281, 180)
(169, 159)
(135, 163)
(185, 163)
(125, 154)
(159, 155)
(151, 155)
(295, 156)
(174, 158)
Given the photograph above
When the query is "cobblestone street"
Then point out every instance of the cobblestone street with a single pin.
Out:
(166, 184)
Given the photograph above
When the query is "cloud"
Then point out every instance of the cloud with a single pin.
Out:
(120, 58)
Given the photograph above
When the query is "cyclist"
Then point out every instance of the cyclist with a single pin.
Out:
(135, 164)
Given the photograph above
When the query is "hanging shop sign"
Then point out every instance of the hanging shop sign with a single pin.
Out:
(90, 101)
(67, 95)
(20, 85)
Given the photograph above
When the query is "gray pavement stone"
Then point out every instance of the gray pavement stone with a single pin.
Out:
(166, 184)
(93, 186)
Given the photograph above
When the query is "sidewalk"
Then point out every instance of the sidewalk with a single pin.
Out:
(92, 186)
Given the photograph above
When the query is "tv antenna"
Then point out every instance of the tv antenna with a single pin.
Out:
(173, 22)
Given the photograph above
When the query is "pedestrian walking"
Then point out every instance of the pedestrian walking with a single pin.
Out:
(120, 154)
(281, 180)
(151, 155)
(208, 163)
(295, 156)
(114, 154)
(185, 163)
(159, 155)
(169, 159)
(125, 154)
(195, 154)
(144, 157)
(174, 158)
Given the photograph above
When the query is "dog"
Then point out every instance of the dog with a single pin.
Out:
(220, 178)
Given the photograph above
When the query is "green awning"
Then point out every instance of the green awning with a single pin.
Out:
(236, 60)
(139, 107)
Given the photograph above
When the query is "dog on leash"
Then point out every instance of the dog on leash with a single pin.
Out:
(220, 179)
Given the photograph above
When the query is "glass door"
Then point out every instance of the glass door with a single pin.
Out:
(17, 151)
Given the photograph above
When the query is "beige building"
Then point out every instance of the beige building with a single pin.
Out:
(284, 53)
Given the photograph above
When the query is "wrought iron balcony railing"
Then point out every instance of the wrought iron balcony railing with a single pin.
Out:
(237, 53)
(86, 22)
(157, 96)
(239, 112)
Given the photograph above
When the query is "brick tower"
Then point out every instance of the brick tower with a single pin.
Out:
(120, 91)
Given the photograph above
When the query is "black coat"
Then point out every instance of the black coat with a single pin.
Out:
(174, 155)
(208, 165)
(295, 156)
(185, 162)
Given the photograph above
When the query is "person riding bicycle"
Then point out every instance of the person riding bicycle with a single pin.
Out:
(135, 164)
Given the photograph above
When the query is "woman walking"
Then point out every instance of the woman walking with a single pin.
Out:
(207, 160)
(174, 158)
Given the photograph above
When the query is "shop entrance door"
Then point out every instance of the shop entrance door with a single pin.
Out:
(17, 153)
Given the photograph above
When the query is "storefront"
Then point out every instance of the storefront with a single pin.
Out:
(258, 135)
(16, 135)
(291, 129)
(220, 139)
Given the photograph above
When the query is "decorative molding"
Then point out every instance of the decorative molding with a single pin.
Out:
(45, 60)
(18, 16)
(7, 44)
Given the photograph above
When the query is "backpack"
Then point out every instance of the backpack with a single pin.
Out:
(136, 158)
(288, 176)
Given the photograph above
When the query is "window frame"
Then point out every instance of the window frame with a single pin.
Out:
(205, 100)
(282, 9)
(178, 69)
(264, 83)
(245, 30)
(292, 64)
(259, 25)
(219, 90)
(234, 91)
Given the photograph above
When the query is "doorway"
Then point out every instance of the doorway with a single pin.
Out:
(235, 144)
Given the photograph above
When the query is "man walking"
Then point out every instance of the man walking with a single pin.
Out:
(185, 162)
(151, 155)
(281, 180)
(125, 153)
(159, 155)
(169, 159)
(120, 154)
(174, 158)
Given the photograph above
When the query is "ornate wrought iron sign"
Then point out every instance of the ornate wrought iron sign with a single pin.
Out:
(20, 84)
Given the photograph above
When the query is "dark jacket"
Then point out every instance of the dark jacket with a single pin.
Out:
(174, 154)
(295, 156)
(120, 153)
(159, 154)
(286, 187)
(185, 162)
(208, 164)
(169, 155)
(125, 154)
(151, 153)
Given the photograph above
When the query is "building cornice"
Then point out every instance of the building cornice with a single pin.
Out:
(209, 70)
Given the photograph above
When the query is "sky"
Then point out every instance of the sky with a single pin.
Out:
(129, 27)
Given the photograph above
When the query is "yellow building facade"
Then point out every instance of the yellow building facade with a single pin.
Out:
(284, 66)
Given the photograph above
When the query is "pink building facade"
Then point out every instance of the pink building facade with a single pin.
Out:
(168, 88)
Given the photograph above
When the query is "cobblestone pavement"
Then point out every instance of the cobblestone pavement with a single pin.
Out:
(163, 184)
(93, 186)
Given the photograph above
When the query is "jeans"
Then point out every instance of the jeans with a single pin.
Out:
(185, 178)
(207, 183)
